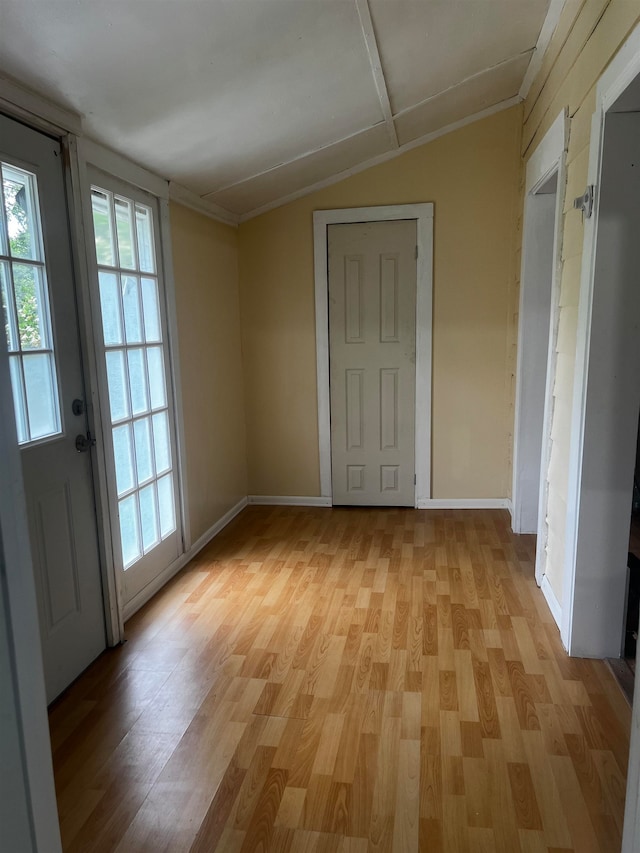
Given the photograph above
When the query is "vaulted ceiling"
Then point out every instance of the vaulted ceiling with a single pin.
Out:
(249, 102)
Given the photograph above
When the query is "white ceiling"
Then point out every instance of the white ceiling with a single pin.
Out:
(247, 102)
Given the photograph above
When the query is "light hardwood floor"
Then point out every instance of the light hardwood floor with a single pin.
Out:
(345, 680)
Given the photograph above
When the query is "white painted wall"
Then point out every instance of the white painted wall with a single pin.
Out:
(610, 405)
(533, 348)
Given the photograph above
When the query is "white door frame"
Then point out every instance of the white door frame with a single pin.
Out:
(586, 641)
(90, 154)
(549, 158)
(423, 214)
(47, 117)
(622, 70)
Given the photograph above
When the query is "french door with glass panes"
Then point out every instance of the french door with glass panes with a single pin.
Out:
(41, 331)
(134, 360)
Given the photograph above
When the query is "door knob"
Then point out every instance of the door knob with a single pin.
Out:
(84, 442)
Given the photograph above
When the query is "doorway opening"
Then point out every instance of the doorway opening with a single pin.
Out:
(537, 343)
(534, 356)
(606, 392)
(625, 666)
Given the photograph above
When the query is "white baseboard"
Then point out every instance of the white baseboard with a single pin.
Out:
(552, 601)
(157, 583)
(288, 500)
(208, 535)
(424, 503)
(464, 503)
(509, 508)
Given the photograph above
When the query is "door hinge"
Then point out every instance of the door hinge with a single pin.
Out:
(415, 479)
(416, 253)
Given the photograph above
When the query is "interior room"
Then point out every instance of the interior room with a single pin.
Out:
(318, 422)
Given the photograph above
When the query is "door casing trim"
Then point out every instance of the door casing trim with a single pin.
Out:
(423, 215)
(548, 158)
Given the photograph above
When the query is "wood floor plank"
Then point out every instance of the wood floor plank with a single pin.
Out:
(345, 680)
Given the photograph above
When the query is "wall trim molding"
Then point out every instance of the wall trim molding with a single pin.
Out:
(552, 601)
(20, 102)
(427, 503)
(465, 503)
(156, 585)
(288, 500)
(548, 158)
(186, 197)
(374, 161)
(122, 168)
(549, 26)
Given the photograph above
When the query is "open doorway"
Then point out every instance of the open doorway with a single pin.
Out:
(533, 344)
(537, 337)
(625, 666)
(606, 392)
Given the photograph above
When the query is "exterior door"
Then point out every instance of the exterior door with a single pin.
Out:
(372, 352)
(41, 326)
(133, 358)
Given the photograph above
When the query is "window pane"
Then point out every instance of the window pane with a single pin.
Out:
(41, 394)
(131, 306)
(8, 313)
(125, 479)
(110, 305)
(150, 309)
(146, 258)
(124, 227)
(142, 432)
(138, 382)
(148, 517)
(19, 402)
(32, 326)
(21, 213)
(156, 377)
(117, 379)
(129, 530)
(102, 228)
(166, 506)
(161, 442)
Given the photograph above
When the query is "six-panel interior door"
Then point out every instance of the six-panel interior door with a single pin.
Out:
(134, 362)
(372, 334)
(41, 326)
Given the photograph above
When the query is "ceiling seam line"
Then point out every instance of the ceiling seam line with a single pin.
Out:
(293, 160)
(466, 80)
(371, 43)
(399, 114)
(377, 160)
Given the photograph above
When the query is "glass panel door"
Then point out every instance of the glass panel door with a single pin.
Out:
(135, 363)
(25, 307)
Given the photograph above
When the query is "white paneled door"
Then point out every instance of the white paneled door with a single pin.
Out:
(372, 342)
(41, 328)
(134, 361)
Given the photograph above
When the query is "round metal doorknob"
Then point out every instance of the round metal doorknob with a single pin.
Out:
(84, 442)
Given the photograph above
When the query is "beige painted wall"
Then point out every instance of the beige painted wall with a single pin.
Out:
(588, 36)
(205, 262)
(473, 177)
